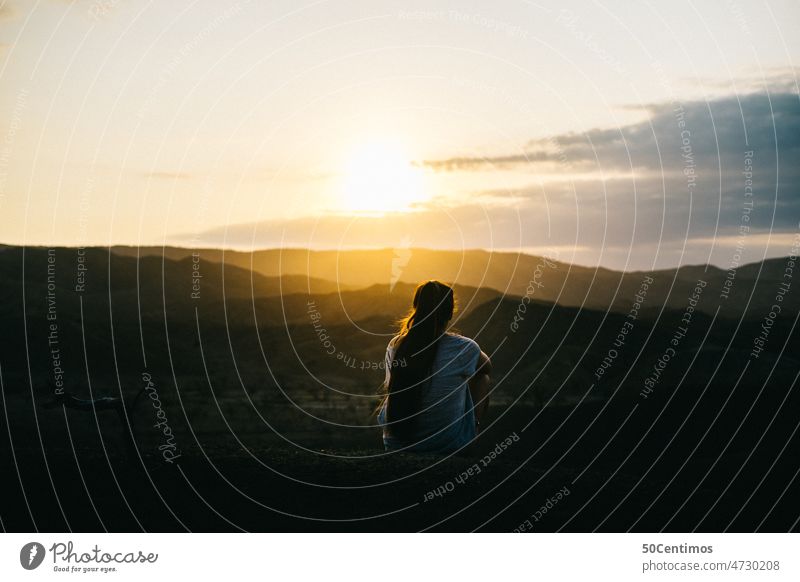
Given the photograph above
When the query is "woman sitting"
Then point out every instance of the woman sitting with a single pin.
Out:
(437, 382)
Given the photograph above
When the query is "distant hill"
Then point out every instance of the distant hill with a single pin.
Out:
(176, 273)
(155, 286)
(134, 312)
(751, 289)
(146, 309)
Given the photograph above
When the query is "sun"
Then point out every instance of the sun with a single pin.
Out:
(379, 178)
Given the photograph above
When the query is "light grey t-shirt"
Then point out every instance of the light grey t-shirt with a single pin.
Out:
(447, 420)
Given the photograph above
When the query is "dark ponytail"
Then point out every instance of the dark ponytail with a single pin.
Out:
(415, 350)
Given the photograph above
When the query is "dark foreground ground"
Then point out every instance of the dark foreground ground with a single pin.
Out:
(671, 426)
(534, 484)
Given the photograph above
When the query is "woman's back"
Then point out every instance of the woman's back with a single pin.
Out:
(446, 421)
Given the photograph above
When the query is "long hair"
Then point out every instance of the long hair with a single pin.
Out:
(415, 350)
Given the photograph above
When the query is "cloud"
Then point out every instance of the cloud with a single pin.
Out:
(616, 228)
(774, 79)
(717, 130)
(697, 182)
(493, 162)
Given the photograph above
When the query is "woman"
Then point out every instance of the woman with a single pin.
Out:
(437, 382)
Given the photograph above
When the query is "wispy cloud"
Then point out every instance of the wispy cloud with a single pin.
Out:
(717, 129)
(503, 161)
(772, 79)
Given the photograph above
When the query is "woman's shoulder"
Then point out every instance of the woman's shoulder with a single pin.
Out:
(461, 341)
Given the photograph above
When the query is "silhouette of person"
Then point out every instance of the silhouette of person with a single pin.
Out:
(437, 382)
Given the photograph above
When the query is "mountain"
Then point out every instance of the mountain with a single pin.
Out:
(748, 291)
(272, 333)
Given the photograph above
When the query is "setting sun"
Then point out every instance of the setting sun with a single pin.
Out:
(379, 178)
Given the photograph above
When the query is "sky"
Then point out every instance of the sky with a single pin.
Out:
(627, 135)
